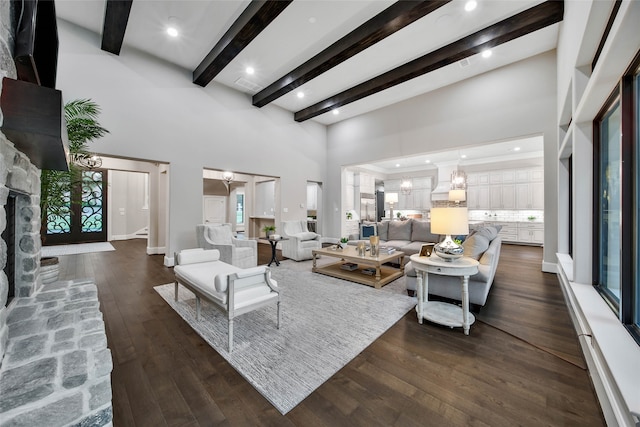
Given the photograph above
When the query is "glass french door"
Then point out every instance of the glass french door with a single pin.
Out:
(86, 219)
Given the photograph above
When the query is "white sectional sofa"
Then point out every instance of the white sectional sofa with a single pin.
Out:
(483, 244)
(231, 289)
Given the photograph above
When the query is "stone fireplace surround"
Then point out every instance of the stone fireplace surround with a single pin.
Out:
(54, 362)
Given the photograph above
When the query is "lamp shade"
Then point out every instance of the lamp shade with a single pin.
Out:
(457, 195)
(449, 221)
(391, 197)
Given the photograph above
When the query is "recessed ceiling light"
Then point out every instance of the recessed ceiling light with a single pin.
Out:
(172, 26)
(172, 31)
(336, 111)
(300, 94)
(470, 5)
(397, 165)
(249, 70)
(486, 53)
(464, 156)
(516, 148)
(427, 161)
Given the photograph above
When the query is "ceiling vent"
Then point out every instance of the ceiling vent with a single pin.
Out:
(250, 86)
(464, 63)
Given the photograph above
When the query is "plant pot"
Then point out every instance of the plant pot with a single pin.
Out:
(49, 270)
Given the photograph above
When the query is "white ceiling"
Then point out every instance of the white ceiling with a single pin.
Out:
(305, 28)
(504, 151)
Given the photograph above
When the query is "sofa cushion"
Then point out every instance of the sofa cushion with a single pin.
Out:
(489, 231)
(400, 230)
(410, 248)
(475, 245)
(383, 230)
(307, 235)
(421, 232)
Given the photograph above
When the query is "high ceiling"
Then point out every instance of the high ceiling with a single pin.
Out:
(504, 151)
(412, 48)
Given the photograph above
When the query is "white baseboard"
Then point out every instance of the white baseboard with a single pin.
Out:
(169, 261)
(549, 267)
(127, 237)
(156, 251)
(608, 350)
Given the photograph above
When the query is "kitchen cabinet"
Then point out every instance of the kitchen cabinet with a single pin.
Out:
(478, 197)
(367, 183)
(312, 197)
(530, 195)
(531, 232)
(502, 196)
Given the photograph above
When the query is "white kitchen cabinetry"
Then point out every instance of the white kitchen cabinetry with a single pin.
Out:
(418, 199)
(478, 197)
(312, 196)
(530, 195)
(502, 196)
(531, 232)
(367, 183)
(508, 232)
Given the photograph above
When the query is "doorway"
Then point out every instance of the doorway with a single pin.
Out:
(83, 219)
(215, 209)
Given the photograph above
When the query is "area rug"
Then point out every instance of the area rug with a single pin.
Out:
(78, 248)
(326, 322)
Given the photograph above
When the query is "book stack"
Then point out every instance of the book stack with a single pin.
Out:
(369, 271)
(386, 250)
(349, 266)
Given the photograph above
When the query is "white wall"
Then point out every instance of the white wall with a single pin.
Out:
(155, 112)
(129, 211)
(513, 101)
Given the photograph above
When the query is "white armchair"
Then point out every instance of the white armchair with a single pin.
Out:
(238, 252)
(301, 242)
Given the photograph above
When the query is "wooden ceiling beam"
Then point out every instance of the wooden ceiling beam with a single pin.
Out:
(255, 18)
(533, 19)
(387, 22)
(116, 17)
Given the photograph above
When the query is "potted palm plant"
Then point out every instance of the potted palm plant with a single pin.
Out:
(82, 127)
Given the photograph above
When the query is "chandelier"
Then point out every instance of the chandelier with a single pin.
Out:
(85, 160)
(228, 177)
(406, 186)
(458, 180)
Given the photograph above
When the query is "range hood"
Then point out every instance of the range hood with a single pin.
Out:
(441, 191)
(33, 120)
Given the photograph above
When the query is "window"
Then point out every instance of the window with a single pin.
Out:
(617, 202)
(636, 288)
(609, 204)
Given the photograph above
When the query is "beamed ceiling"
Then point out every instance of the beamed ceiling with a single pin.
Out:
(351, 56)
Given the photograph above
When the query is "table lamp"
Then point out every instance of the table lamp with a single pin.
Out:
(449, 221)
(391, 198)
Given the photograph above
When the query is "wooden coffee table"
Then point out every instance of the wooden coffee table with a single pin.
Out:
(383, 273)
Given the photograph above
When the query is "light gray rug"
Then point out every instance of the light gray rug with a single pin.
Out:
(78, 248)
(326, 322)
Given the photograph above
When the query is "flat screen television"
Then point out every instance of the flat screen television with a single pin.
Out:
(36, 41)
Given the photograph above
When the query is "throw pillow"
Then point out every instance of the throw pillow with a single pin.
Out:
(475, 246)
(421, 232)
(383, 230)
(307, 235)
(367, 230)
(400, 230)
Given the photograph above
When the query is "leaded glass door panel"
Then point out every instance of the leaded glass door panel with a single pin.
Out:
(85, 220)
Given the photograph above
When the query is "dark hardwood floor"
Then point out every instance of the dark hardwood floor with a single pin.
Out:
(521, 364)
